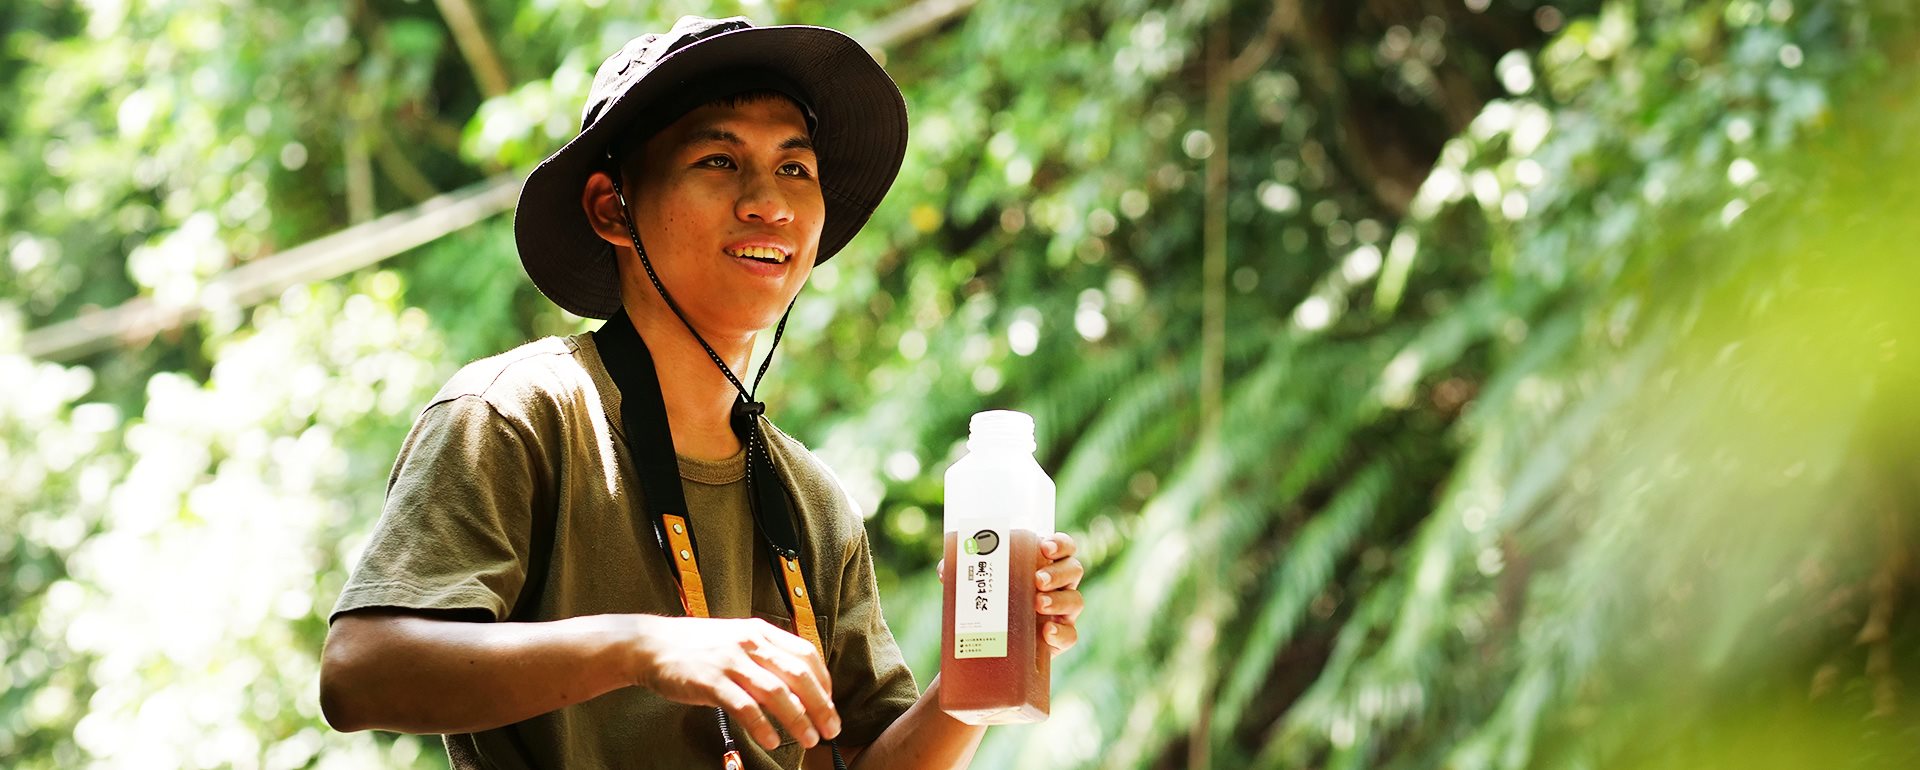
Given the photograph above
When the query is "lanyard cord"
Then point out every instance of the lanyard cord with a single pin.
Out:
(747, 412)
(765, 497)
(745, 394)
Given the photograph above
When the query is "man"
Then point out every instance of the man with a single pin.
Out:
(564, 516)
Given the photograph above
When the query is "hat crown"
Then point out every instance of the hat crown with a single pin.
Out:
(642, 54)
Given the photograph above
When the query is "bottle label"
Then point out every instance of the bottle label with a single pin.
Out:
(980, 591)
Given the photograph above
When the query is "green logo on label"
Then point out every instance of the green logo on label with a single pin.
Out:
(982, 543)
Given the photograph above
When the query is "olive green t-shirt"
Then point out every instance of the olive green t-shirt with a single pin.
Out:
(520, 465)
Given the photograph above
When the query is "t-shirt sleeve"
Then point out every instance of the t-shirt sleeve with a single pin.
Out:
(872, 685)
(455, 532)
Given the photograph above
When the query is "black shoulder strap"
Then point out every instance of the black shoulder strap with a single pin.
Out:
(643, 415)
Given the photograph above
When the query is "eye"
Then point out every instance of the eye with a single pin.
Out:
(714, 161)
(796, 169)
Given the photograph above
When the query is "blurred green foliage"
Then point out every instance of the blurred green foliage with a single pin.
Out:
(1566, 395)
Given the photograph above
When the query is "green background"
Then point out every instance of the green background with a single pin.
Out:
(1430, 383)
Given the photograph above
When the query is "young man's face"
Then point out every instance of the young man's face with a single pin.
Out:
(728, 204)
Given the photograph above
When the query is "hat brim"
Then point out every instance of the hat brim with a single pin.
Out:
(860, 140)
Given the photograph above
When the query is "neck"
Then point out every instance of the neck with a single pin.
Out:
(698, 397)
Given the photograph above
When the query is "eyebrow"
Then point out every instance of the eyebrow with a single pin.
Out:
(723, 136)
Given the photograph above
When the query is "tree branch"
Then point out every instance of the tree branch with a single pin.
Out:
(398, 168)
(912, 22)
(471, 37)
(138, 321)
(1213, 316)
(359, 168)
(1282, 22)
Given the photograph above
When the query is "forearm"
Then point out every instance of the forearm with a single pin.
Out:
(422, 675)
(924, 737)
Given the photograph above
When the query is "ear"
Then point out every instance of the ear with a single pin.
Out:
(603, 210)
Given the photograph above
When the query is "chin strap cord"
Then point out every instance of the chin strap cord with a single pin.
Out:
(647, 263)
(747, 413)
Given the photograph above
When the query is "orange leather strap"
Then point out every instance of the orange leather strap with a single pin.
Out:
(801, 603)
(693, 593)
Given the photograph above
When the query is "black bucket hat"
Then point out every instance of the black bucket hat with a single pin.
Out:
(858, 118)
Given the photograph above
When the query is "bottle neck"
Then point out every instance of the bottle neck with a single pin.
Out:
(1001, 444)
(1000, 430)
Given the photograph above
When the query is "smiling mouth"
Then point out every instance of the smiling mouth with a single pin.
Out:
(765, 254)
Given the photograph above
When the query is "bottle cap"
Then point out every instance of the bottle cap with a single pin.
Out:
(1001, 428)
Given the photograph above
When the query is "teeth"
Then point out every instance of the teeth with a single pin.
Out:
(764, 253)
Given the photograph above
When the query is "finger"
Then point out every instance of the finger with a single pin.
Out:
(1058, 545)
(1065, 603)
(794, 645)
(1065, 573)
(940, 571)
(805, 677)
(746, 713)
(1061, 636)
(779, 703)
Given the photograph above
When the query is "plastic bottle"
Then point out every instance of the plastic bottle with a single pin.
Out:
(994, 666)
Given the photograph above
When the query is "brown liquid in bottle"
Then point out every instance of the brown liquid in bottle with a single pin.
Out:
(1009, 690)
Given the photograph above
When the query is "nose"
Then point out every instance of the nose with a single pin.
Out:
(762, 201)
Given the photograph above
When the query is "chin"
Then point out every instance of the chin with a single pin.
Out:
(741, 325)
(767, 324)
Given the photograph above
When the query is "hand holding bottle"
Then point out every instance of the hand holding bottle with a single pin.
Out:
(1057, 589)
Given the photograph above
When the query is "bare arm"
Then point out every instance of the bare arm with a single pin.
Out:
(923, 737)
(416, 674)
